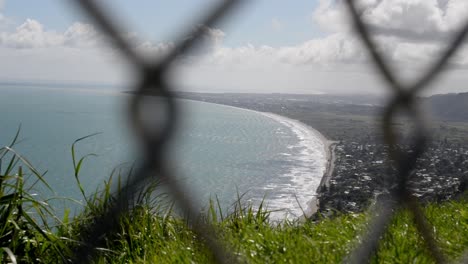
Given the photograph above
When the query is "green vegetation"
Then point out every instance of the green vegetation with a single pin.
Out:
(153, 233)
(25, 235)
(157, 239)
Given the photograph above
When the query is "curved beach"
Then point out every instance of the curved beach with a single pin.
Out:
(293, 194)
(307, 182)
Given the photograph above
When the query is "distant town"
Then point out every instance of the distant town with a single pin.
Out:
(362, 170)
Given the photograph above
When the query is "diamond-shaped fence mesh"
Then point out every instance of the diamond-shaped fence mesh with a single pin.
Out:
(152, 77)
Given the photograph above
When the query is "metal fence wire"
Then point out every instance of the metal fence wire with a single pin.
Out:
(152, 78)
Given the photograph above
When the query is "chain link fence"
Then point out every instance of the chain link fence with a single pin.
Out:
(154, 142)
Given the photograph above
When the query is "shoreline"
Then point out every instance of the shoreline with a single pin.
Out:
(312, 205)
(327, 175)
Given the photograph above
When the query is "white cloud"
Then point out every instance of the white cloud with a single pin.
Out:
(419, 16)
(31, 34)
(32, 52)
(331, 50)
(80, 34)
(309, 67)
(404, 30)
(62, 64)
(157, 50)
(413, 19)
(211, 40)
(411, 33)
(408, 19)
(214, 37)
(331, 17)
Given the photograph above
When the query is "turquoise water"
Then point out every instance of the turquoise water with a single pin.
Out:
(218, 150)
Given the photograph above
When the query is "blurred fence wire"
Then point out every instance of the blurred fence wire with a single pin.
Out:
(154, 142)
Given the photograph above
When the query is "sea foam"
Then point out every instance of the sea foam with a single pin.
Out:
(291, 196)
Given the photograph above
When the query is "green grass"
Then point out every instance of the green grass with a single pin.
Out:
(25, 233)
(150, 238)
(153, 233)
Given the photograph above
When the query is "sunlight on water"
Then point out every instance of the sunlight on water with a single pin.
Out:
(219, 150)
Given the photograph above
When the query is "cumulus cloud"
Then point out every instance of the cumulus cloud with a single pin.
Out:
(211, 39)
(32, 52)
(31, 34)
(331, 16)
(418, 16)
(409, 32)
(79, 34)
(309, 67)
(331, 50)
(408, 19)
(392, 20)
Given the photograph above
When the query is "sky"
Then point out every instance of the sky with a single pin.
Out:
(263, 46)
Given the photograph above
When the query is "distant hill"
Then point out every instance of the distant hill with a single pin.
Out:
(443, 107)
(449, 107)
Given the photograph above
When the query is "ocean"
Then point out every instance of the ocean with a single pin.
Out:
(218, 151)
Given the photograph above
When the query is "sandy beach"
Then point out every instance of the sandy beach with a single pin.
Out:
(330, 165)
(327, 175)
(329, 146)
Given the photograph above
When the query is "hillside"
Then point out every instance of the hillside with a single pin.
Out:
(449, 107)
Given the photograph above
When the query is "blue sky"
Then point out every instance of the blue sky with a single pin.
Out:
(300, 46)
(263, 22)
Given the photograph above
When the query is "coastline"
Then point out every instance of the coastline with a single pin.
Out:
(311, 205)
